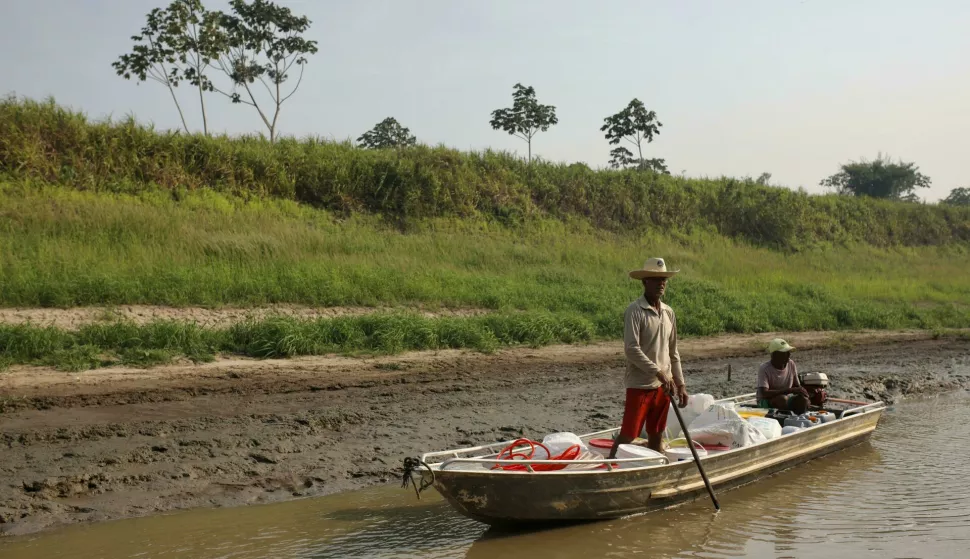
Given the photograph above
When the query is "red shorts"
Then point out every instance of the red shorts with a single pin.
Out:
(644, 408)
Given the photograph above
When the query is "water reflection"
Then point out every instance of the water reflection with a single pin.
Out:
(401, 530)
(750, 516)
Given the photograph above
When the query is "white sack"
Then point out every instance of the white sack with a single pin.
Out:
(557, 443)
(770, 428)
(713, 414)
(730, 432)
(696, 404)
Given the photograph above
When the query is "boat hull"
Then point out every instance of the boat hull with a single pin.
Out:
(516, 498)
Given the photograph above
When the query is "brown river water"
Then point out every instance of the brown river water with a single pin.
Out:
(902, 494)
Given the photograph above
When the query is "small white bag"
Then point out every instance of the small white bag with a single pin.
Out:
(557, 443)
(770, 428)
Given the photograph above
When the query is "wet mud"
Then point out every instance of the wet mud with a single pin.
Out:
(108, 444)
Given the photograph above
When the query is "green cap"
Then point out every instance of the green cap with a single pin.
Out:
(779, 344)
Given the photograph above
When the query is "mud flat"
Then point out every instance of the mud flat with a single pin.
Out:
(115, 443)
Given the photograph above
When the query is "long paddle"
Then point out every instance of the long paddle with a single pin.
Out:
(697, 460)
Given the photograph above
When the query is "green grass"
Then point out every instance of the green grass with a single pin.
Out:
(545, 282)
(73, 357)
(65, 248)
(43, 143)
(159, 342)
(113, 213)
(144, 358)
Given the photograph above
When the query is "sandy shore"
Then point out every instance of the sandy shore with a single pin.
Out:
(115, 443)
(76, 317)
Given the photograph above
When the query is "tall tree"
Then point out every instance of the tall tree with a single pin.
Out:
(635, 124)
(198, 40)
(881, 178)
(154, 56)
(177, 43)
(958, 197)
(388, 133)
(526, 117)
(264, 42)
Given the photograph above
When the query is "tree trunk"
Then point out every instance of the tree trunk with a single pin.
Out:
(205, 122)
(179, 107)
(171, 89)
(270, 127)
(279, 101)
(276, 115)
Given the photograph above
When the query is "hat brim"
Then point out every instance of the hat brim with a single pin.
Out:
(643, 274)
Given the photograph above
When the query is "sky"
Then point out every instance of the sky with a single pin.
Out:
(790, 87)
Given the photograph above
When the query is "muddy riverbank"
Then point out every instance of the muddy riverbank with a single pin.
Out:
(118, 443)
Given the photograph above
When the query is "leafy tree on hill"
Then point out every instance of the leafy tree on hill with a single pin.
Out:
(879, 179)
(197, 38)
(958, 197)
(388, 133)
(264, 42)
(257, 41)
(526, 117)
(635, 124)
(163, 47)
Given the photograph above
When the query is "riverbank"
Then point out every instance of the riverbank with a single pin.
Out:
(115, 442)
(92, 279)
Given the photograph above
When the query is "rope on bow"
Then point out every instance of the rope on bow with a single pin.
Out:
(410, 466)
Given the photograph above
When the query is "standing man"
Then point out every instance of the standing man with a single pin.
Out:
(653, 372)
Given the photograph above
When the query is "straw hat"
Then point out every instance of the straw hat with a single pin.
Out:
(779, 344)
(653, 268)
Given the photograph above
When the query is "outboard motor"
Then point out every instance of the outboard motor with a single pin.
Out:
(815, 384)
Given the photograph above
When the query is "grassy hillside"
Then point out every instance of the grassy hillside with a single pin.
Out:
(102, 214)
(44, 143)
(545, 282)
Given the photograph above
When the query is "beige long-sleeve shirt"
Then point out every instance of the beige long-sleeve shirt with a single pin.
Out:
(650, 345)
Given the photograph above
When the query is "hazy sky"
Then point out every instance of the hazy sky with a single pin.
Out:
(791, 87)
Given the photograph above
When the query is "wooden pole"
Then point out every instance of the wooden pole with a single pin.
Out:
(697, 460)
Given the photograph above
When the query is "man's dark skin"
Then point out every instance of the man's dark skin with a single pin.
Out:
(653, 290)
(777, 398)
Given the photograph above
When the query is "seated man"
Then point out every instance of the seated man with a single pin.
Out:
(778, 385)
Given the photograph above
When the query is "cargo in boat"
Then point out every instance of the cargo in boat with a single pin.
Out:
(593, 487)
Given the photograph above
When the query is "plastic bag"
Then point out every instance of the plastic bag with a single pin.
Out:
(557, 443)
(770, 428)
(730, 432)
(713, 414)
(696, 404)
